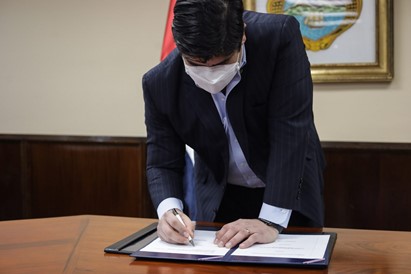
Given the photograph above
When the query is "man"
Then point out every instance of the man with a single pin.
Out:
(238, 90)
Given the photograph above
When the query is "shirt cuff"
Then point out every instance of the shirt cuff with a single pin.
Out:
(277, 215)
(168, 204)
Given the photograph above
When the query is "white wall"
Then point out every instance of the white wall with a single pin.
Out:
(74, 68)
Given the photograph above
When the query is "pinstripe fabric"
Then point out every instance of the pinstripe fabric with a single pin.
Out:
(271, 114)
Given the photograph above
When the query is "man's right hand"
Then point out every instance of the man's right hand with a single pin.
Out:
(171, 230)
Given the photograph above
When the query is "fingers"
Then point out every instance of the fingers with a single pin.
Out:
(245, 231)
(171, 230)
(190, 225)
(249, 241)
(233, 233)
(166, 233)
(233, 237)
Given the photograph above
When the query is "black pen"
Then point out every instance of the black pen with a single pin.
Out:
(175, 212)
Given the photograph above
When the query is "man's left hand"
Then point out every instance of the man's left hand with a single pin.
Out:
(246, 231)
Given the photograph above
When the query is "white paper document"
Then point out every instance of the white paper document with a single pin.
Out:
(204, 245)
(286, 246)
(289, 246)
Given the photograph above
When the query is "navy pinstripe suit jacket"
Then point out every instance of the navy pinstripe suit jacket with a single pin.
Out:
(271, 114)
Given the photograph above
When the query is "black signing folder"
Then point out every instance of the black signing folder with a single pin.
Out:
(145, 244)
(134, 242)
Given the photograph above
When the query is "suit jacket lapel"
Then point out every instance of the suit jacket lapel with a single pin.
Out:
(235, 110)
(203, 105)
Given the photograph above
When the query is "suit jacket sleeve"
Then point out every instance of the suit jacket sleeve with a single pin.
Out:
(165, 150)
(290, 119)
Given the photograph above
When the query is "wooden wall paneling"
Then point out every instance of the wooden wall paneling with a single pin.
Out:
(367, 186)
(43, 176)
(88, 178)
(11, 185)
(349, 197)
(395, 195)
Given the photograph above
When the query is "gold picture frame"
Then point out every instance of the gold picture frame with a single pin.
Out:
(380, 68)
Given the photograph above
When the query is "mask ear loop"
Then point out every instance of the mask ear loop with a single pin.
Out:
(240, 53)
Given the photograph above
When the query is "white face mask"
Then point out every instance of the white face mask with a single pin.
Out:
(213, 79)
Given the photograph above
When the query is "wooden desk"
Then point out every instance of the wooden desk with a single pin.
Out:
(75, 245)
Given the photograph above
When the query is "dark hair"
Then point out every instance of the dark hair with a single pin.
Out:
(208, 28)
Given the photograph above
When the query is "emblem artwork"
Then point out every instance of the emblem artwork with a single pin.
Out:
(321, 22)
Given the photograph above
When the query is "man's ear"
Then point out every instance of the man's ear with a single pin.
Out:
(244, 38)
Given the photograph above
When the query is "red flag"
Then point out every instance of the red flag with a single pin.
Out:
(168, 41)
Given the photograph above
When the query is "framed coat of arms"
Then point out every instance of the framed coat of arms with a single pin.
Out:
(346, 40)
